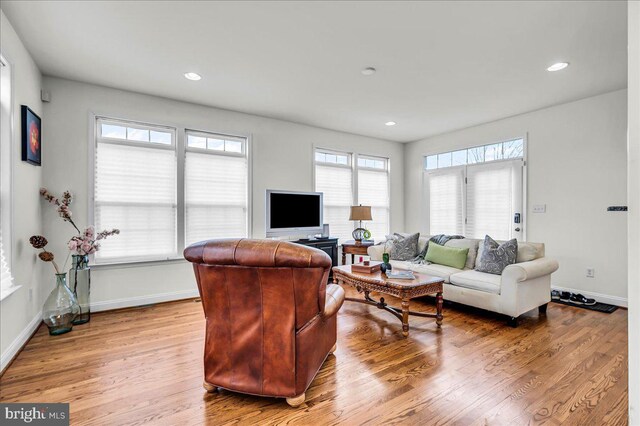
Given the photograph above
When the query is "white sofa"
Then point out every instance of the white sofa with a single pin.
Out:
(523, 286)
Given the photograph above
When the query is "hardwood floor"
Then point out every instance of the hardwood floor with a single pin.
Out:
(144, 366)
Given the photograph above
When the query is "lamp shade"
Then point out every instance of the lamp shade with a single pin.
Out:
(360, 213)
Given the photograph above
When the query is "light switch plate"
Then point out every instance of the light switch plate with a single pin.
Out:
(539, 208)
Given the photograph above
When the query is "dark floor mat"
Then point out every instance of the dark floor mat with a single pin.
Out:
(600, 307)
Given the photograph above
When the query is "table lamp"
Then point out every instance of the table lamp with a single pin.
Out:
(360, 213)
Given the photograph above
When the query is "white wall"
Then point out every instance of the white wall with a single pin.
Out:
(281, 157)
(577, 167)
(634, 212)
(19, 314)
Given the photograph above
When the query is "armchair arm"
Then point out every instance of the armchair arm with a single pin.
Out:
(334, 300)
(375, 252)
(524, 271)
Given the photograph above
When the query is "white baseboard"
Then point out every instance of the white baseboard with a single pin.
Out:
(19, 341)
(602, 298)
(143, 300)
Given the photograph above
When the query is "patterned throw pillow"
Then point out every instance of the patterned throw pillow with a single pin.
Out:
(403, 247)
(495, 257)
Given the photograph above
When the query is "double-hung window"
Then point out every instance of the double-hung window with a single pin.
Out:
(373, 190)
(216, 182)
(334, 178)
(136, 190)
(166, 188)
(350, 179)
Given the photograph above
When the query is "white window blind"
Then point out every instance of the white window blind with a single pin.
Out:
(445, 194)
(216, 187)
(6, 279)
(336, 182)
(136, 191)
(373, 190)
(489, 201)
(476, 200)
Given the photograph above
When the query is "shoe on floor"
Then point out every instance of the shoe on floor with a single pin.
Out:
(565, 296)
(555, 295)
(579, 299)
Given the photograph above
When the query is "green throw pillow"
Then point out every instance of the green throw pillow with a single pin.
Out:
(448, 256)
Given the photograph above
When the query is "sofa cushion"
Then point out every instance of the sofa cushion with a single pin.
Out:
(448, 256)
(433, 269)
(469, 243)
(477, 280)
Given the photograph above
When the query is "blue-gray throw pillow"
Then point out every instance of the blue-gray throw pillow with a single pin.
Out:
(495, 257)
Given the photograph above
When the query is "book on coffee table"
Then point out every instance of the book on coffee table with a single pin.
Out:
(401, 275)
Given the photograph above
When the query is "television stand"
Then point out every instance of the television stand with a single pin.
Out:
(327, 245)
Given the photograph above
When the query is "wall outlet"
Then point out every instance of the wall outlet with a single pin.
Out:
(539, 208)
(591, 273)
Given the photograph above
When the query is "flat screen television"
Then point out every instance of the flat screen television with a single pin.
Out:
(293, 213)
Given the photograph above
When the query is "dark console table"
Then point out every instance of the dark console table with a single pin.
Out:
(327, 245)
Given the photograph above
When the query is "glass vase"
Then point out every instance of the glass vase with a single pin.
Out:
(60, 308)
(80, 285)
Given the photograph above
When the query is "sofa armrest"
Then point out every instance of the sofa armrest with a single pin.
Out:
(524, 271)
(334, 300)
(375, 252)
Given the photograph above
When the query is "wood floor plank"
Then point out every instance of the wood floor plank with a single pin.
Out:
(144, 366)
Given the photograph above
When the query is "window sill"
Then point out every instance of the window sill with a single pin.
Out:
(7, 292)
(137, 263)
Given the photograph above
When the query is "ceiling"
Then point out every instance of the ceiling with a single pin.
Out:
(441, 65)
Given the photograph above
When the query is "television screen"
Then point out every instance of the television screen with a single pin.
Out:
(290, 212)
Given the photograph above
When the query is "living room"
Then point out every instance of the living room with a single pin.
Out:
(172, 123)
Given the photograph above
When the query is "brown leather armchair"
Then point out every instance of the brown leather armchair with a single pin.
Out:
(271, 317)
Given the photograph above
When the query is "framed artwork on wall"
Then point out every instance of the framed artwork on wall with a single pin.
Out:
(31, 136)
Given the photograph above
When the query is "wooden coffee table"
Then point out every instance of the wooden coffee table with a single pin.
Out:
(406, 290)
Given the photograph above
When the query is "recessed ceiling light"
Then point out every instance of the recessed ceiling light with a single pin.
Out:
(192, 76)
(558, 66)
(390, 123)
(368, 71)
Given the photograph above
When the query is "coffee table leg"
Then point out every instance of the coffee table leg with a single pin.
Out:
(405, 317)
(439, 303)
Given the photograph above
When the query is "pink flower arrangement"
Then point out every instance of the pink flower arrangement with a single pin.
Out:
(86, 242)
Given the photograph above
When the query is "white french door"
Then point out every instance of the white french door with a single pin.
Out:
(475, 200)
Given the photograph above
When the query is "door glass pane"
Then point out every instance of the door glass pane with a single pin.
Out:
(475, 155)
(514, 149)
(431, 162)
(444, 160)
(459, 158)
(493, 152)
